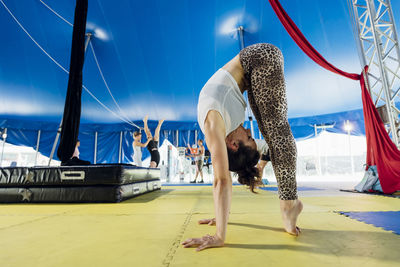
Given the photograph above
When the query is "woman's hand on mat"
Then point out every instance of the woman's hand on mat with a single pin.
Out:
(207, 221)
(206, 241)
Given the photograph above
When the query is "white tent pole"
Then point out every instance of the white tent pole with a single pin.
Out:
(120, 147)
(55, 143)
(95, 148)
(4, 136)
(317, 147)
(88, 36)
(37, 146)
(251, 126)
(177, 138)
(240, 30)
(348, 128)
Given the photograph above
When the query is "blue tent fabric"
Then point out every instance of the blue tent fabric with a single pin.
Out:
(23, 132)
(155, 56)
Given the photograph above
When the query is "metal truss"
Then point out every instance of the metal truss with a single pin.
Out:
(379, 49)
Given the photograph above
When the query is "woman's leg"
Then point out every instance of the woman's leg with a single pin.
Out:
(263, 67)
(153, 164)
(157, 131)
(146, 128)
(199, 167)
(197, 174)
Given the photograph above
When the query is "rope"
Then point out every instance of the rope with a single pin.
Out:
(58, 15)
(98, 66)
(105, 83)
(60, 66)
(38, 45)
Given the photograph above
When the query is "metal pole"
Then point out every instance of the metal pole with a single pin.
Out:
(394, 29)
(88, 37)
(55, 143)
(4, 136)
(95, 148)
(37, 146)
(360, 43)
(317, 147)
(240, 30)
(195, 136)
(241, 36)
(350, 151)
(177, 138)
(388, 100)
(251, 126)
(120, 147)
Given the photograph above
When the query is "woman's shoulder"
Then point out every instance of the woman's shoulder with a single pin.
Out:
(214, 122)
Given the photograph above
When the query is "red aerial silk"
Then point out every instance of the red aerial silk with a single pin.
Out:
(381, 151)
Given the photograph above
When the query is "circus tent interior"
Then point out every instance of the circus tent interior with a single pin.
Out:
(152, 58)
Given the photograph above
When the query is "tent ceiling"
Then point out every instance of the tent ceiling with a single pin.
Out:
(156, 55)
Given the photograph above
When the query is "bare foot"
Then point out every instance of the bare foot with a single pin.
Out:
(290, 210)
(161, 121)
(146, 118)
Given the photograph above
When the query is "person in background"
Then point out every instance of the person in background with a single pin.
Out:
(75, 160)
(152, 142)
(199, 161)
(262, 148)
(137, 147)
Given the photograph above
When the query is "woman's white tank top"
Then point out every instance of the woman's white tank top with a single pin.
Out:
(221, 93)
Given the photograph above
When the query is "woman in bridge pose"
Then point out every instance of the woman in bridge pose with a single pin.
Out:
(221, 112)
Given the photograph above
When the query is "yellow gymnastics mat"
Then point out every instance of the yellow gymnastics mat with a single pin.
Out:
(147, 231)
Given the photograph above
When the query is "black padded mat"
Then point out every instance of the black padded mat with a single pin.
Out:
(100, 174)
(77, 194)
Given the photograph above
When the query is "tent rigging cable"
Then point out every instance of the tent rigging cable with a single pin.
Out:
(98, 66)
(106, 84)
(60, 66)
(58, 15)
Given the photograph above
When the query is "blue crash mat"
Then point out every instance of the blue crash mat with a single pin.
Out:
(388, 220)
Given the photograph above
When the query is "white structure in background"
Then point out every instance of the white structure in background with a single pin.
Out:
(338, 160)
(24, 156)
(342, 156)
(348, 127)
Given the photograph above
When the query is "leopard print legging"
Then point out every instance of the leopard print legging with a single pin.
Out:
(265, 83)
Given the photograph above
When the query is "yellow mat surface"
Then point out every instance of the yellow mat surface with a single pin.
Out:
(148, 230)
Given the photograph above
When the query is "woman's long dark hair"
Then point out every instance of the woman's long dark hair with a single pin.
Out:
(243, 162)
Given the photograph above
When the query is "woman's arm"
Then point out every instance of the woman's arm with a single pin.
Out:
(215, 138)
(145, 144)
(137, 143)
(222, 191)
